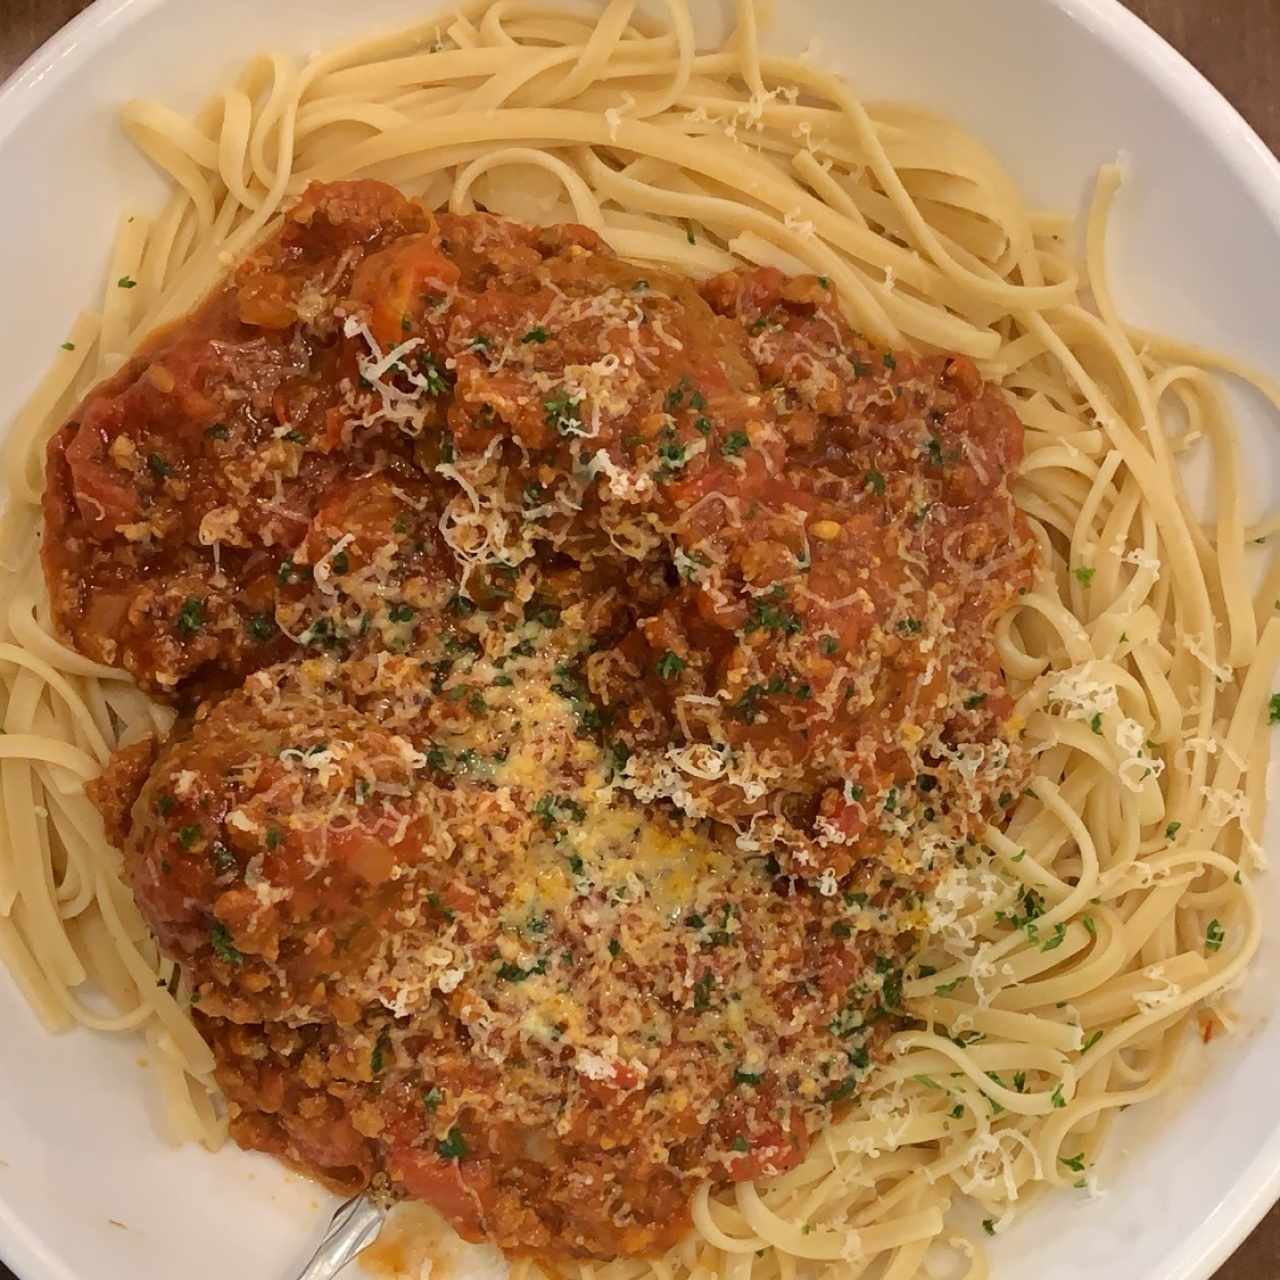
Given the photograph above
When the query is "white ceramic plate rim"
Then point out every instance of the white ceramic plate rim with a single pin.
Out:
(47, 71)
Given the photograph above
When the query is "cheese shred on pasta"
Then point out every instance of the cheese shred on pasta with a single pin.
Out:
(1115, 914)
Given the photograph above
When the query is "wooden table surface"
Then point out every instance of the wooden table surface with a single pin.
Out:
(1236, 43)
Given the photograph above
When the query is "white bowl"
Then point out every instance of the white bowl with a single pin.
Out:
(1056, 86)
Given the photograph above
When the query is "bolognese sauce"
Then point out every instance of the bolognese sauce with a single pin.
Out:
(584, 676)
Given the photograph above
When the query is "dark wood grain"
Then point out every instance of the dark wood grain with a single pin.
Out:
(1236, 43)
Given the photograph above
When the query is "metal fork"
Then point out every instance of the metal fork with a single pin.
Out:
(353, 1228)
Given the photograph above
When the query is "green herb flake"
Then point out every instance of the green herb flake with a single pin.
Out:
(1214, 936)
(1055, 940)
(223, 947)
(670, 665)
(126, 282)
(736, 441)
(454, 1147)
(191, 616)
(1084, 576)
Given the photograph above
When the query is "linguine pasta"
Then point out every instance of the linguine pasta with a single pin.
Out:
(1115, 912)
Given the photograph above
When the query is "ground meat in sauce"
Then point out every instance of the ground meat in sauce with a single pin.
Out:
(615, 679)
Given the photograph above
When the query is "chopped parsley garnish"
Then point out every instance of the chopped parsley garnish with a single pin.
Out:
(1096, 722)
(934, 449)
(536, 334)
(1172, 830)
(747, 1077)
(513, 972)
(670, 665)
(432, 1097)
(262, 626)
(736, 441)
(191, 616)
(1273, 709)
(562, 412)
(454, 1147)
(126, 282)
(223, 947)
(974, 700)
(829, 646)
(402, 613)
(675, 397)
(702, 991)
(1084, 576)
(671, 454)
(187, 836)
(769, 613)
(542, 612)
(1074, 1163)
(433, 375)
(223, 860)
(741, 1144)
(1055, 939)
(989, 1226)
(273, 837)
(875, 482)
(158, 466)
(1056, 1097)
(1214, 936)
(910, 626)
(164, 805)
(890, 361)
(286, 573)
(837, 1093)
(1091, 1041)
(377, 1059)
(68, 346)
